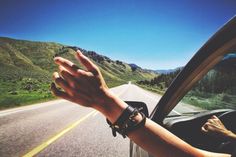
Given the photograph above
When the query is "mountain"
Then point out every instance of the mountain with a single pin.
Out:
(167, 71)
(162, 81)
(134, 66)
(21, 58)
(26, 68)
(216, 90)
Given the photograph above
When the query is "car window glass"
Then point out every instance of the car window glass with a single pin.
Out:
(216, 90)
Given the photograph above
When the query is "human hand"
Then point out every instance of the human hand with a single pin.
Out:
(216, 128)
(85, 87)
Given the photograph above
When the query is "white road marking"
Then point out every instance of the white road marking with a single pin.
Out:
(36, 106)
(155, 99)
(121, 92)
(147, 95)
(40, 105)
(26, 108)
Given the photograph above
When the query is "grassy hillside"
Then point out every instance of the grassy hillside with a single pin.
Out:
(26, 68)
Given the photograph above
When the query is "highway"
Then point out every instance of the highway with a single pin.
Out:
(64, 129)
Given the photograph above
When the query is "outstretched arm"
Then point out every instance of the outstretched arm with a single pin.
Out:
(88, 88)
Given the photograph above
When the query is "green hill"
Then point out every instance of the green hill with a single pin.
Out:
(26, 68)
(216, 90)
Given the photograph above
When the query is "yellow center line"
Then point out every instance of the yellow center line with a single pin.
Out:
(45, 144)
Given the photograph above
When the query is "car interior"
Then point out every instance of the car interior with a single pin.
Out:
(188, 128)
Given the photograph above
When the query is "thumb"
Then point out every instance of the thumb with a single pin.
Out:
(203, 129)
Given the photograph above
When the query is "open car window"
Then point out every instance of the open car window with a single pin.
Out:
(216, 90)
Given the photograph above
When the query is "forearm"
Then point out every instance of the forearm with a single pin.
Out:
(211, 154)
(231, 136)
(88, 88)
(160, 142)
(153, 138)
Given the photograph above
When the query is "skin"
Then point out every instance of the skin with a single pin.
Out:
(214, 127)
(88, 88)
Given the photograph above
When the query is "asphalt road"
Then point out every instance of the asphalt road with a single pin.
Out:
(63, 129)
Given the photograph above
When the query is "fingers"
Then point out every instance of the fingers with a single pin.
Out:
(206, 127)
(68, 77)
(214, 117)
(83, 73)
(80, 97)
(210, 120)
(73, 81)
(71, 67)
(203, 128)
(68, 65)
(63, 84)
(89, 65)
(216, 121)
(59, 93)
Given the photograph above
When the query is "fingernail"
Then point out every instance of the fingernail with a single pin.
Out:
(56, 59)
(55, 75)
(79, 52)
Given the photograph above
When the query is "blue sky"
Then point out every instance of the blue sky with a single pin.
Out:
(153, 34)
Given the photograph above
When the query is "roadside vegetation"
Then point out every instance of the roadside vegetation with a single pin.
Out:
(216, 90)
(26, 68)
(26, 91)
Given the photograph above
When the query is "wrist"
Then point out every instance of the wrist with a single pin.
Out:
(129, 120)
(111, 106)
(230, 135)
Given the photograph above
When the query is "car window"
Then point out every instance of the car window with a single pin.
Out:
(216, 90)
